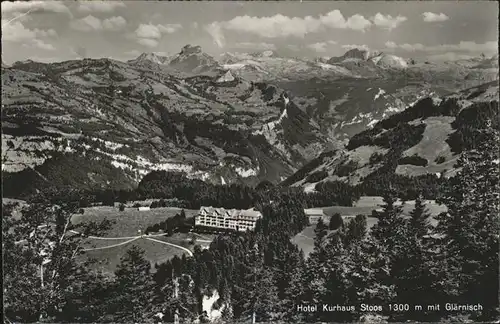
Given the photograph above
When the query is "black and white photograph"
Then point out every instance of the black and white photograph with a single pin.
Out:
(250, 162)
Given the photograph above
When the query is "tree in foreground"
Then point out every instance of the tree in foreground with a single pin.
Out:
(133, 289)
(469, 230)
(356, 229)
(415, 282)
(336, 222)
(42, 278)
(386, 245)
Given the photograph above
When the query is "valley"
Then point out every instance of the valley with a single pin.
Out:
(245, 163)
(126, 119)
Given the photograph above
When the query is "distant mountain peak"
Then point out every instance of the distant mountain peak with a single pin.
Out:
(192, 59)
(360, 54)
(263, 54)
(151, 57)
(227, 77)
(389, 61)
(190, 49)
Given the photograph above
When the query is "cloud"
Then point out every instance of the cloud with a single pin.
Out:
(432, 17)
(9, 7)
(114, 23)
(148, 42)
(468, 46)
(335, 19)
(91, 23)
(133, 53)
(43, 45)
(87, 24)
(256, 46)
(284, 26)
(169, 28)
(45, 33)
(148, 31)
(17, 32)
(406, 47)
(80, 51)
(100, 6)
(149, 34)
(215, 30)
(387, 21)
(155, 31)
(449, 56)
(353, 46)
(463, 46)
(321, 47)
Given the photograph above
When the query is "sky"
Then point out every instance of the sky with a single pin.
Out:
(52, 31)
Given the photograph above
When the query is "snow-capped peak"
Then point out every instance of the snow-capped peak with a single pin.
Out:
(190, 49)
(267, 53)
(389, 61)
(152, 57)
(227, 77)
(380, 93)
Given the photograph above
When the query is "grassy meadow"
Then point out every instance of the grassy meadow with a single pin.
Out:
(131, 220)
(365, 205)
(127, 224)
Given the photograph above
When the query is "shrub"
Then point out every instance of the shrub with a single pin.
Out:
(413, 160)
(81, 210)
(122, 207)
(375, 158)
(440, 159)
(264, 185)
(162, 203)
(345, 169)
(336, 222)
(136, 205)
(317, 176)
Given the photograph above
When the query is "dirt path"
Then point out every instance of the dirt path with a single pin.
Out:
(171, 244)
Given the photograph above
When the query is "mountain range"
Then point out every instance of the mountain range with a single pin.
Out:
(236, 118)
(425, 139)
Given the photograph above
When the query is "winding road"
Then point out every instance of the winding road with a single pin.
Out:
(131, 239)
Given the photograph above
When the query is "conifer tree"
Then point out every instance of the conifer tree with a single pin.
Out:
(256, 295)
(132, 296)
(356, 229)
(316, 271)
(42, 277)
(387, 239)
(419, 219)
(294, 294)
(469, 230)
(335, 281)
(361, 269)
(336, 222)
(414, 283)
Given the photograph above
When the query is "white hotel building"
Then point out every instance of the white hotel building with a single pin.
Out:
(227, 219)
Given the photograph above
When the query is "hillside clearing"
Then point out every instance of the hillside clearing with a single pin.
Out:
(129, 221)
(364, 206)
(108, 259)
(432, 146)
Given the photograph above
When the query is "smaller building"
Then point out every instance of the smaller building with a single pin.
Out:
(314, 214)
(143, 208)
